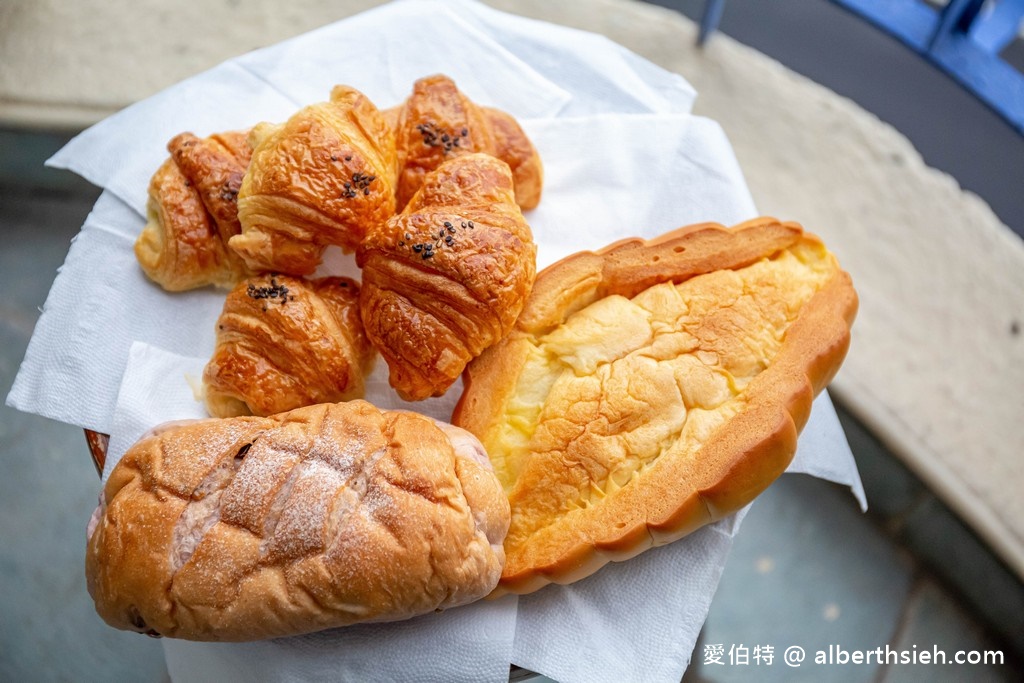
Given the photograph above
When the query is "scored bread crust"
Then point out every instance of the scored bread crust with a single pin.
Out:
(248, 528)
(738, 460)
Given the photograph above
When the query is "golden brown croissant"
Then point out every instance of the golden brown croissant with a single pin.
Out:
(192, 213)
(284, 343)
(653, 387)
(437, 122)
(448, 276)
(324, 177)
(261, 527)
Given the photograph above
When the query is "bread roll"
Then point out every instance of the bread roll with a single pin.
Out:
(653, 387)
(249, 528)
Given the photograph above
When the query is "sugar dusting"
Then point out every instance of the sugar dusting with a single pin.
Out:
(343, 486)
(201, 513)
(97, 515)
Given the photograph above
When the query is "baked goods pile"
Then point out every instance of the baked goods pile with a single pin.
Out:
(617, 400)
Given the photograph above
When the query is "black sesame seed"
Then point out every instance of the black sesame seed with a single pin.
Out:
(366, 190)
(334, 157)
(447, 224)
(448, 240)
(417, 248)
(470, 224)
(427, 254)
(348, 158)
(465, 132)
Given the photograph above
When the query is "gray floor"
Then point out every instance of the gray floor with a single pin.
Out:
(48, 629)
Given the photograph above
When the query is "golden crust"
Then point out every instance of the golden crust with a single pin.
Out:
(514, 148)
(192, 212)
(284, 343)
(215, 167)
(637, 434)
(324, 177)
(438, 122)
(249, 528)
(448, 276)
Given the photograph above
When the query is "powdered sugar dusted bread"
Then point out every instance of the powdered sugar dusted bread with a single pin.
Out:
(248, 528)
(653, 387)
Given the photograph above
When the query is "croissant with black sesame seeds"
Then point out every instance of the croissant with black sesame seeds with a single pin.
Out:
(446, 278)
(283, 343)
(438, 122)
(192, 213)
(321, 178)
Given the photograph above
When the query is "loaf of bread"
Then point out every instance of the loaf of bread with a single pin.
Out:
(248, 528)
(653, 387)
(286, 342)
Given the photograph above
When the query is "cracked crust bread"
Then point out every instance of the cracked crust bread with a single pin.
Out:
(248, 528)
(653, 387)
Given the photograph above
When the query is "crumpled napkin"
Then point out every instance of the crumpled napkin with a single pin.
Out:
(114, 353)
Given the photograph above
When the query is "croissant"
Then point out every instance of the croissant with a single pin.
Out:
(437, 122)
(284, 343)
(261, 527)
(447, 277)
(192, 213)
(323, 177)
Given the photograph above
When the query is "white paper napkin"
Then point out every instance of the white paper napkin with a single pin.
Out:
(113, 352)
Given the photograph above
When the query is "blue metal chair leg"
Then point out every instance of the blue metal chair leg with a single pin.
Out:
(710, 19)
